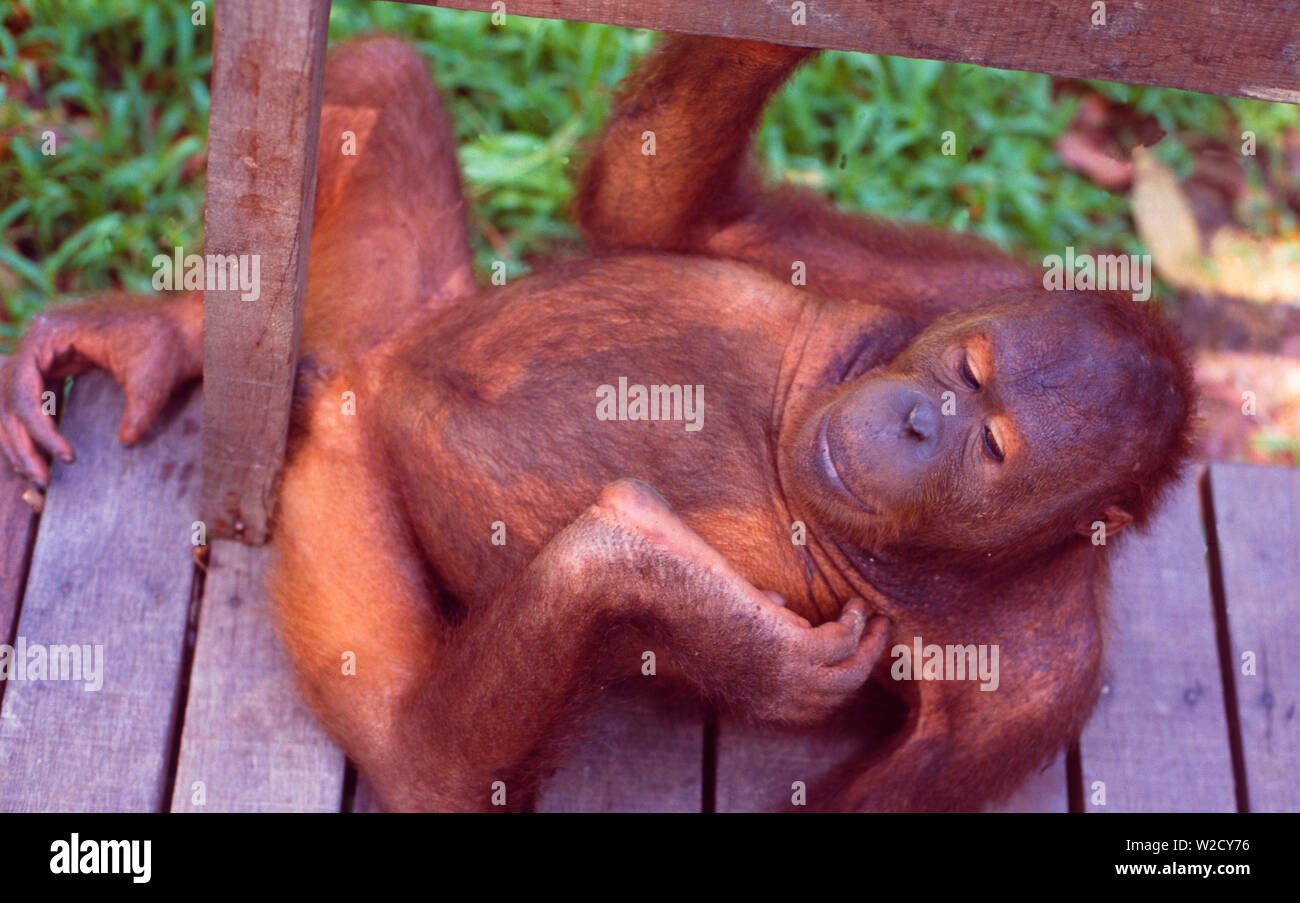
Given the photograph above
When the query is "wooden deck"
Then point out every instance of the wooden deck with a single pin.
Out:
(197, 711)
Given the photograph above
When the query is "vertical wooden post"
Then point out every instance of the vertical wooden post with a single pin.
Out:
(268, 62)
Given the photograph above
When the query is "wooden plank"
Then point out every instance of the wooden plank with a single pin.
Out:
(1257, 525)
(365, 799)
(267, 67)
(1240, 50)
(17, 524)
(1045, 791)
(249, 743)
(1158, 739)
(757, 765)
(113, 567)
(639, 753)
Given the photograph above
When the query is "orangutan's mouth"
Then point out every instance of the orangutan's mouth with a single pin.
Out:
(826, 463)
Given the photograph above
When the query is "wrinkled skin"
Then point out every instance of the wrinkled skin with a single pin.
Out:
(876, 455)
(946, 436)
(149, 347)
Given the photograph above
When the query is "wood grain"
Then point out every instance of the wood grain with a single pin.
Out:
(112, 566)
(267, 67)
(1158, 738)
(365, 799)
(248, 739)
(1044, 791)
(17, 521)
(638, 753)
(1257, 519)
(1235, 49)
(758, 765)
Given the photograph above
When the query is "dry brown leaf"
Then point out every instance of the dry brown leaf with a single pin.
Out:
(1165, 223)
(1237, 263)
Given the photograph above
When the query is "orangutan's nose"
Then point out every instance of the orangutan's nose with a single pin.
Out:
(923, 420)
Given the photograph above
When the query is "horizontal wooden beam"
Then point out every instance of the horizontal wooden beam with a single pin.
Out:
(1236, 49)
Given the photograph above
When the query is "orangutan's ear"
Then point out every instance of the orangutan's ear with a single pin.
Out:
(1112, 520)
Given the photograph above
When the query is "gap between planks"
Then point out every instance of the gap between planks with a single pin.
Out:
(112, 567)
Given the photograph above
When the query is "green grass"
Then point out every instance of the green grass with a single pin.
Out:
(124, 85)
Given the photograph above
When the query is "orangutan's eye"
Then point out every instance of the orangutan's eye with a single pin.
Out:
(966, 373)
(991, 443)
